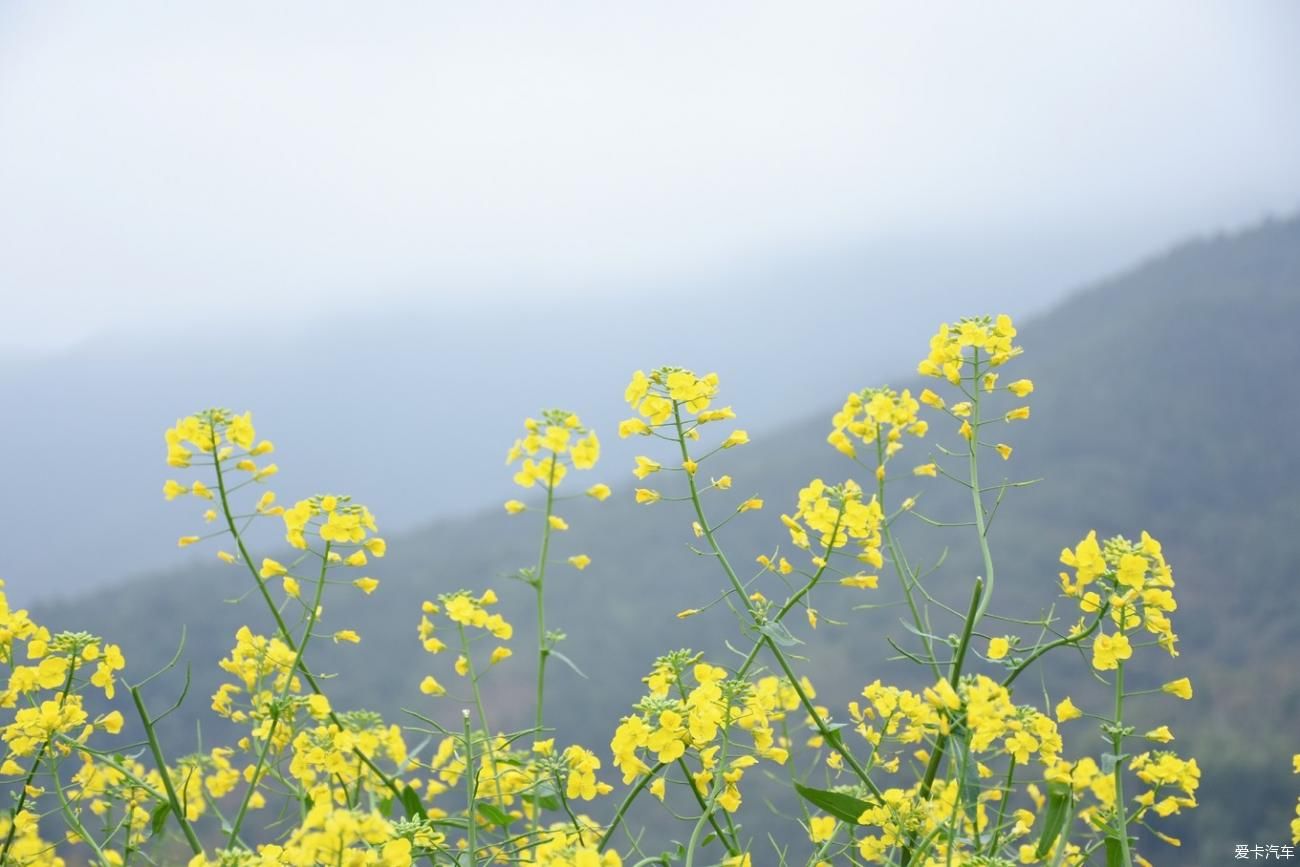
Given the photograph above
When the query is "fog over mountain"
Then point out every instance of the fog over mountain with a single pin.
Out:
(165, 167)
(411, 408)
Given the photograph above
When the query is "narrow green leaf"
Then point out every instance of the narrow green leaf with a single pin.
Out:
(1059, 800)
(912, 629)
(569, 662)
(844, 807)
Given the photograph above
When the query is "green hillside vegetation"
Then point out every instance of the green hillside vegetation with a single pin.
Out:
(1164, 402)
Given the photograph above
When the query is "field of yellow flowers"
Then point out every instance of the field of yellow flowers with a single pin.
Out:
(968, 771)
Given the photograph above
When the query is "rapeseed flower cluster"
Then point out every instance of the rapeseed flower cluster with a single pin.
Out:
(1131, 581)
(876, 415)
(965, 355)
(838, 516)
(463, 611)
(558, 442)
(675, 403)
(992, 337)
(686, 720)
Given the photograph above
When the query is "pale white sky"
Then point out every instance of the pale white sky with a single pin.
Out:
(165, 164)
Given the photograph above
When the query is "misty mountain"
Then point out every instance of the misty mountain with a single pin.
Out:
(1157, 407)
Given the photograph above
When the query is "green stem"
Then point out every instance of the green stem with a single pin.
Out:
(1117, 742)
(704, 805)
(832, 738)
(1002, 808)
(1060, 642)
(154, 747)
(785, 609)
(719, 785)
(543, 651)
(732, 577)
(900, 567)
(941, 743)
(471, 797)
(482, 714)
(954, 829)
(73, 822)
(980, 526)
(627, 803)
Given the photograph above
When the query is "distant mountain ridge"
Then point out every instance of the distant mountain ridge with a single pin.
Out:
(1163, 402)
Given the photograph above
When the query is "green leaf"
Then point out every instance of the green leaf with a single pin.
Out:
(411, 802)
(832, 732)
(775, 630)
(1059, 801)
(547, 795)
(844, 807)
(158, 819)
(493, 814)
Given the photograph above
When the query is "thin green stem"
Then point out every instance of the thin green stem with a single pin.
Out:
(981, 528)
(719, 785)
(831, 736)
(627, 803)
(154, 747)
(1002, 808)
(704, 805)
(1117, 742)
(543, 650)
(74, 823)
(736, 584)
(941, 743)
(1060, 642)
(471, 797)
(482, 713)
(900, 565)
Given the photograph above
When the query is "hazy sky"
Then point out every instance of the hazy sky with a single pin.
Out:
(163, 164)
